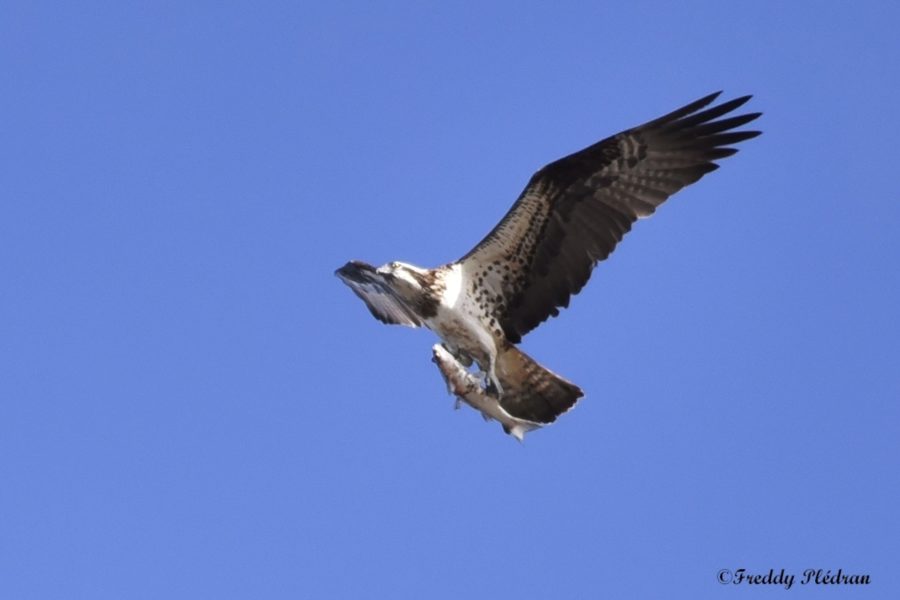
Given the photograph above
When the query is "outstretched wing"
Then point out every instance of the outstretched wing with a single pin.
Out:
(378, 295)
(574, 211)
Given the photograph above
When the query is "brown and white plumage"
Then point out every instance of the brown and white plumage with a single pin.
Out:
(570, 216)
(575, 210)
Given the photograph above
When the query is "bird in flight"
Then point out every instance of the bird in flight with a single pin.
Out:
(570, 216)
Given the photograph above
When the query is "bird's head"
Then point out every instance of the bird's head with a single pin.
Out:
(401, 277)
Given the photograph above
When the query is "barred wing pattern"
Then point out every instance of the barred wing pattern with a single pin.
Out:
(574, 211)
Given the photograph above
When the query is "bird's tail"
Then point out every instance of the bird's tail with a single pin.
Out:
(530, 391)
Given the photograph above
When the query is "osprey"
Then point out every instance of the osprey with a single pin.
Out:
(569, 217)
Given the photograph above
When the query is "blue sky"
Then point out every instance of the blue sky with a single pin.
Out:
(191, 405)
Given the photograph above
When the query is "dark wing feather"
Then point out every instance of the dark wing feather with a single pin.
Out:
(574, 211)
(383, 303)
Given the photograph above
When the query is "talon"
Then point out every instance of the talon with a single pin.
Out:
(493, 382)
(461, 357)
(493, 387)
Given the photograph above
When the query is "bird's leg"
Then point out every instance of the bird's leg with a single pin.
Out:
(492, 382)
(469, 390)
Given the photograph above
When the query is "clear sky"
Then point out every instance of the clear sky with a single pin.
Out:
(193, 406)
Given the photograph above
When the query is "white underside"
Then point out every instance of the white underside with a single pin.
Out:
(457, 324)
